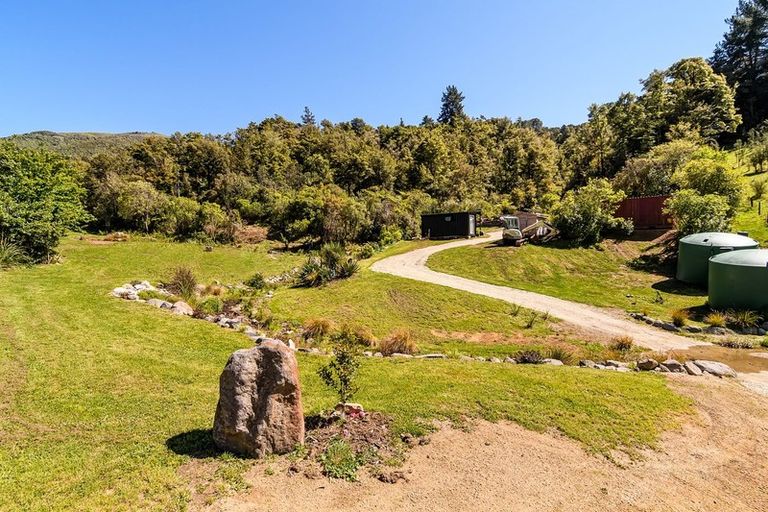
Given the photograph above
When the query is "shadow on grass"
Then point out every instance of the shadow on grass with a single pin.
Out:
(196, 443)
(675, 287)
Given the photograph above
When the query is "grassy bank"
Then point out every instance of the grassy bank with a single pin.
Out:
(95, 389)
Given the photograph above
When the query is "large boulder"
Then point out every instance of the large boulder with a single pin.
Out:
(673, 366)
(259, 410)
(715, 368)
(647, 364)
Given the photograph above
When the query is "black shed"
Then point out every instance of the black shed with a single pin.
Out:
(449, 225)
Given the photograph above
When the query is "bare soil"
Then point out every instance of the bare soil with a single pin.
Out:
(715, 461)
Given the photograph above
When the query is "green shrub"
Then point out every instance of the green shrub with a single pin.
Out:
(347, 268)
(182, 283)
(263, 316)
(256, 281)
(399, 342)
(532, 318)
(330, 263)
(152, 294)
(716, 319)
(211, 306)
(340, 373)
(339, 460)
(11, 254)
(695, 213)
(680, 317)
(764, 342)
(561, 354)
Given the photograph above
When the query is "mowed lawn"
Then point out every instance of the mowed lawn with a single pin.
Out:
(93, 388)
(601, 276)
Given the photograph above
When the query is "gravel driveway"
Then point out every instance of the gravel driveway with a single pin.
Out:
(413, 265)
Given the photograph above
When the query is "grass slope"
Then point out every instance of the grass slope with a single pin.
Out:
(93, 388)
(597, 276)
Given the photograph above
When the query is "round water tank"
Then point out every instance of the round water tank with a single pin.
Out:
(739, 280)
(695, 250)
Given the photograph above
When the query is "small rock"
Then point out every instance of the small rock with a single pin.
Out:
(694, 329)
(349, 409)
(718, 331)
(715, 368)
(495, 360)
(761, 331)
(479, 358)
(367, 353)
(182, 308)
(378, 354)
(553, 362)
(658, 323)
(392, 477)
(465, 358)
(692, 369)
(587, 363)
(647, 364)
(667, 326)
(432, 356)
(673, 366)
(662, 368)
(615, 364)
(290, 344)
(649, 321)
(159, 303)
(510, 360)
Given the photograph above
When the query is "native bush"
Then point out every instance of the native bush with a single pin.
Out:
(182, 282)
(585, 214)
(695, 213)
(340, 373)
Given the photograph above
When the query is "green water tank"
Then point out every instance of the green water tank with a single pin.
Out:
(739, 280)
(695, 250)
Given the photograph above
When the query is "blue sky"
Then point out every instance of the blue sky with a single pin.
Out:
(170, 66)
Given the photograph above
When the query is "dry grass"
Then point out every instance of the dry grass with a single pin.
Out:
(622, 344)
(399, 342)
(716, 319)
(245, 234)
(680, 317)
(317, 328)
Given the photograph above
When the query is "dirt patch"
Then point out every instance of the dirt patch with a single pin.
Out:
(741, 360)
(716, 461)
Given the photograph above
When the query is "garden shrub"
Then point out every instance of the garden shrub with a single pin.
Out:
(11, 254)
(331, 262)
(716, 319)
(680, 317)
(256, 281)
(339, 460)
(695, 213)
(211, 306)
(561, 354)
(182, 283)
(622, 344)
(340, 373)
(317, 328)
(399, 341)
(742, 319)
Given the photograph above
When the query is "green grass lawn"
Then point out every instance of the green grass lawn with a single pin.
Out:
(94, 387)
(597, 276)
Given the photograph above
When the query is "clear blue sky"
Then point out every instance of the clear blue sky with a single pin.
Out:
(171, 65)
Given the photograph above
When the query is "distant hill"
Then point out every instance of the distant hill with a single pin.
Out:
(78, 144)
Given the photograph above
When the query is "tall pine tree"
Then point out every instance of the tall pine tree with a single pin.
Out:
(452, 105)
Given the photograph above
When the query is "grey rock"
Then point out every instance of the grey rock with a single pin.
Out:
(649, 321)
(662, 368)
(587, 363)
(692, 369)
(658, 323)
(718, 331)
(495, 360)
(761, 331)
(159, 303)
(367, 353)
(715, 368)
(260, 410)
(510, 360)
(695, 329)
(182, 308)
(465, 358)
(378, 354)
(667, 326)
(432, 356)
(553, 362)
(647, 364)
(673, 366)
(615, 364)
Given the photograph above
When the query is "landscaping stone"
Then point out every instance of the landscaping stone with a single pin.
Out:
(510, 360)
(692, 369)
(693, 329)
(479, 358)
(160, 303)
(553, 362)
(182, 308)
(658, 323)
(495, 360)
(650, 321)
(587, 363)
(661, 368)
(615, 364)
(667, 326)
(398, 354)
(367, 353)
(432, 356)
(259, 410)
(673, 366)
(715, 368)
(718, 331)
(465, 358)
(647, 364)
(350, 410)
(378, 354)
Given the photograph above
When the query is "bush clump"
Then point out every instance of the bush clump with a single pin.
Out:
(743, 319)
(211, 306)
(529, 357)
(716, 319)
(331, 262)
(622, 344)
(11, 254)
(680, 317)
(317, 328)
(736, 343)
(256, 281)
(339, 460)
(561, 354)
(398, 342)
(182, 283)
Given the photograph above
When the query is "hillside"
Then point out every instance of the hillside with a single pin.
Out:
(78, 144)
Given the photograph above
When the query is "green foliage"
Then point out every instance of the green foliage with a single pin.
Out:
(331, 262)
(211, 306)
(711, 174)
(694, 213)
(40, 199)
(339, 374)
(561, 354)
(584, 215)
(651, 173)
(10, 254)
(452, 108)
(339, 460)
(182, 282)
(743, 319)
(256, 281)
(152, 294)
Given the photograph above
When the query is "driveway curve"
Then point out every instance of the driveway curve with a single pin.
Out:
(413, 265)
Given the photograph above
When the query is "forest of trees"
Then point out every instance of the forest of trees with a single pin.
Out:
(349, 181)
